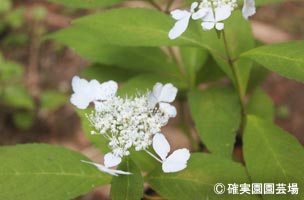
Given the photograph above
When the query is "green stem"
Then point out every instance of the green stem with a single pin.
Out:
(237, 85)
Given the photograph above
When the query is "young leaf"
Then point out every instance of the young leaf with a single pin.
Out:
(286, 58)
(197, 181)
(261, 105)
(273, 156)
(216, 113)
(18, 97)
(128, 187)
(40, 171)
(52, 99)
(87, 3)
(23, 120)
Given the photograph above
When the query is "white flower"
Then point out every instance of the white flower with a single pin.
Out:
(177, 161)
(126, 122)
(132, 122)
(215, 17)
(183, 17)
(163, 95)
(86, 92)
(248, 8)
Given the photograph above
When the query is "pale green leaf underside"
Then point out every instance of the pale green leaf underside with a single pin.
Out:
(45, 172)
(273, 156)
(198, 179)
(216, 113)
(287, 59)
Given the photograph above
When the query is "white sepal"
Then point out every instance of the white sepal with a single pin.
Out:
(162, 94)
(201, 13)
(168, 109)
(210, 21)
(106, 90)
(182, 17)
(180, 25)
(248, 8)
(102, 168)
(82, 95)
(160, 145)
(110, 160)
(86, 92)
(177, 161)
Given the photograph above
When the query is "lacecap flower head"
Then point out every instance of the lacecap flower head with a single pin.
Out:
(125, 122)
(212, 13)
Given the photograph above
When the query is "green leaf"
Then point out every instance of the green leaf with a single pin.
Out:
(45, 172)
(198, 179)
(258, 74)
(210, 72)
(52, 99)
(23, 120)
(286, 58)
(95, 49)
(144, 82)
(193, 60)
(10, 70)
(140, 27)
(261, 105)
(104, 73)
(5, 6)
(216, 113)
(18, 97)
(273, 156)
(127, 187)
(15, 18)
(87, 3)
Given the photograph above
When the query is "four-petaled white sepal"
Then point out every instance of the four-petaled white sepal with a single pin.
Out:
(163, 95)
(175, 162)
(182, 17)
(215, 18)
(86, 92)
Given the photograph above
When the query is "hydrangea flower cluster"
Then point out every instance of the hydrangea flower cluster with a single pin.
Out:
(130, 122)
(212, 13)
